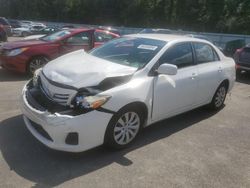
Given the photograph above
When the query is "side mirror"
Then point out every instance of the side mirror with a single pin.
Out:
(167, 69)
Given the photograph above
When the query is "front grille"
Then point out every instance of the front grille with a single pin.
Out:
(59, 95)
(40, 130)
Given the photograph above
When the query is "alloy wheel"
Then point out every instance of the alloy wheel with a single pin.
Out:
(126, 128)
(36, 63)
(220, 96)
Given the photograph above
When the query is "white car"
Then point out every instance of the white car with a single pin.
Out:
(83, 100)
(21, 31)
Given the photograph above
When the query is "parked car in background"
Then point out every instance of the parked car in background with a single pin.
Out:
(26, 23)
(37, 28)
(3, 34)
(110, 29)
(159, 31)
(7, 27)
(242, 59)
(22, 31)
(26, 56)
(28, 30)
(101, 36)
(83, 100)
(68, 27)
(45, 30)
(232, 46)
(14, 23)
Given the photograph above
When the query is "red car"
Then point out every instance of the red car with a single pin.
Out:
(242, 59)
(28, 55)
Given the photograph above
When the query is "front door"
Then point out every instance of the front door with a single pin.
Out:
(174, 94)
(79, 41)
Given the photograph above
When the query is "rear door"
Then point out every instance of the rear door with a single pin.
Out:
(209, 71)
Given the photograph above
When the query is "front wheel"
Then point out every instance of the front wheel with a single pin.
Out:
(219, 97)
(36, 63)
(123, 128)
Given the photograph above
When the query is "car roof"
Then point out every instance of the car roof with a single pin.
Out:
(77, 30)
(166, 37)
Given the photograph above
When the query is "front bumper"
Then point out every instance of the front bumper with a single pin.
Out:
(16, 63)
(90, 127)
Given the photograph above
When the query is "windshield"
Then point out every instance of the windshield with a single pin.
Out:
(56, 36)
(134, 52)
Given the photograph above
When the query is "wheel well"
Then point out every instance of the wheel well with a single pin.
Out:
(138, 105)
(226, 82)
(41, 55)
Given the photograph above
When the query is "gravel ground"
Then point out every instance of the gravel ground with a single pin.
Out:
(195, 149)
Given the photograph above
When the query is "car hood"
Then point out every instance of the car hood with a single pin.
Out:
(79, 69)
(22, 43)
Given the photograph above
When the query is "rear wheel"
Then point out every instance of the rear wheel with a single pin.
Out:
(123, 128)
(36, 63)
(219, 97)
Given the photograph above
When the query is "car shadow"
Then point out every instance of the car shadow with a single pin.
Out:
(49, 168)
(243, 78)
(8, 76)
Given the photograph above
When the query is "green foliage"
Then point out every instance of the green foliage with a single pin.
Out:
(231, 16)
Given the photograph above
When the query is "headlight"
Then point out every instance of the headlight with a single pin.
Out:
(91, 102)
(15, 51)
(35, 77)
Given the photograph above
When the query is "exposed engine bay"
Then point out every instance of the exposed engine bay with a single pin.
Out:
(38, 97)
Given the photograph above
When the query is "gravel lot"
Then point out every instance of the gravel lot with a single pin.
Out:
(196, 149)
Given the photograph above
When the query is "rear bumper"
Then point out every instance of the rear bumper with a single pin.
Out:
(89, 127)
(16, 63)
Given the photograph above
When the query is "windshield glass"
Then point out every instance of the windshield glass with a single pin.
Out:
(134, 52)
(56, 36)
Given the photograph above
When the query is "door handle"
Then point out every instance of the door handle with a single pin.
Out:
(194, 75)
(220, 69)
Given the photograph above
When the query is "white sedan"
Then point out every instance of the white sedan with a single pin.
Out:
(83, 100)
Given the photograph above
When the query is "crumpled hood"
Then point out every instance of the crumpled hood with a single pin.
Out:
(79, 69)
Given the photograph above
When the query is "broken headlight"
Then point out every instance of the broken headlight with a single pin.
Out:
(36, 77)
(91, 102)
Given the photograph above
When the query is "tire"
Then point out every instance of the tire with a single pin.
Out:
(219, 97)
(36, 63)
(120, 133)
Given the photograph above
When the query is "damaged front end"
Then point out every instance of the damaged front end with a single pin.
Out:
(45, 95)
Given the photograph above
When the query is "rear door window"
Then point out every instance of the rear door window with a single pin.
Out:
(205, 53)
